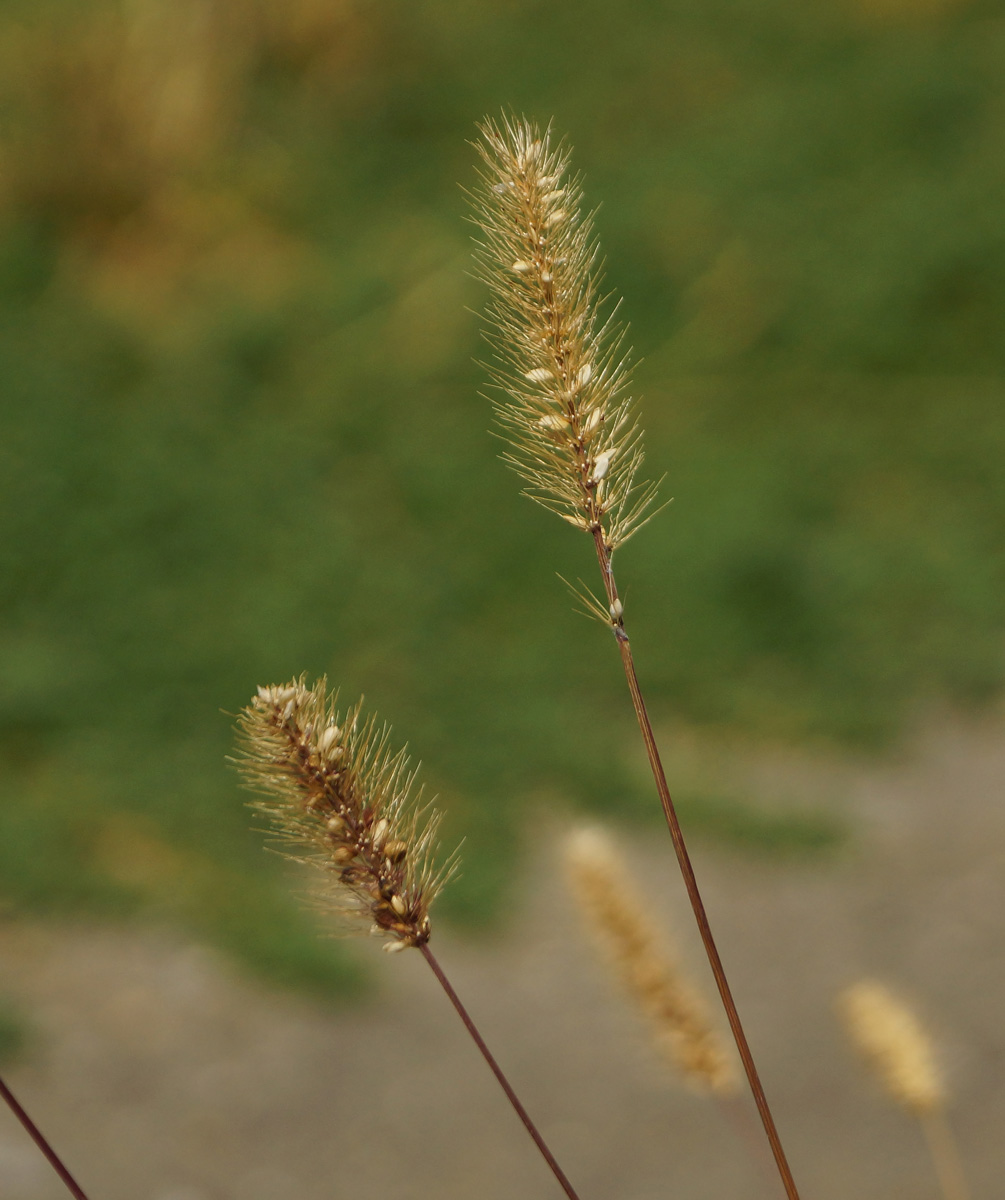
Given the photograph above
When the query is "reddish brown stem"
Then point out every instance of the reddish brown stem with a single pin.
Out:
(690, 882)
(42, 1143)
(496, 1070)
(737, 1112)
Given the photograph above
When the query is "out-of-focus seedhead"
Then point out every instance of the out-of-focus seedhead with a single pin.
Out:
(893, 1043)
(617, 915)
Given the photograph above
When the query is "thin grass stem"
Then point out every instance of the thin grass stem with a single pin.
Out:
(736, 1112)
(42, 1142)
(945, 1155)
(687, 871)
(497, 1071)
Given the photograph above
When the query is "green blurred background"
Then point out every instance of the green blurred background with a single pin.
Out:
(241, 435)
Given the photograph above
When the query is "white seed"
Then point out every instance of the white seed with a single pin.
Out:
(553, 423)
(617, 611)
(547, 277)
(395, 946)
(555, 218)
(602, 465)
(328, 739)
(336, 824)
(521, 267)
(502, 187)
(583, 375)
(379, 835)
(398, 905)
(289, 709)
(557, 194)
(539, 375)
(593, 420)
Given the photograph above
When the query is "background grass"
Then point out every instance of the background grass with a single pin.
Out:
(241, 435)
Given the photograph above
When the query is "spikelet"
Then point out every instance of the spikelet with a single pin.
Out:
(337, 796)
(617, 916)
(559, 372)
(892, 1041)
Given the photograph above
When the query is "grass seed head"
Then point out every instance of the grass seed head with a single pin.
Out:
(338, 796)
(559, 372)
(619, 919)
(893, 1043)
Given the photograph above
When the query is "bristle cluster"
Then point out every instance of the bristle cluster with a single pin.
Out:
(559, 368)
(892, 1041)
(331, 786)
(617, 916)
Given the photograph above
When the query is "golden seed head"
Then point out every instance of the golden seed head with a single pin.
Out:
(894, 1044)
(619, 919)
(347, 820)
(539, 261)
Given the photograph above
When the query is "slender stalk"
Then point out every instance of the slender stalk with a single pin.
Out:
(497, 1071)
(562, 405)
(738, 1115)
(945, 1155)
(42, 1143)
(690, 882)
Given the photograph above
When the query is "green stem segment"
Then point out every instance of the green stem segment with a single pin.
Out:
(42, 1143)
(684, 859)
(496, 1070)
